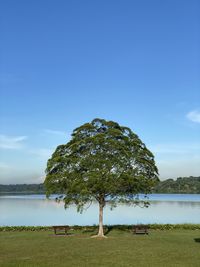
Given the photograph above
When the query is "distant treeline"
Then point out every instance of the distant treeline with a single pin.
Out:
(187, 185)
(22, 188)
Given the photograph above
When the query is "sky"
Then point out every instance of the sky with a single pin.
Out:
(64, 63)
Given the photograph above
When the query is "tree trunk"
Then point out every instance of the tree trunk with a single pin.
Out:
(101, 206)
(102, 203)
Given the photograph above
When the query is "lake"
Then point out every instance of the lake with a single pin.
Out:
(36, 210)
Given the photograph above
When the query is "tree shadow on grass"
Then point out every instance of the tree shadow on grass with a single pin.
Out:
(108, 230)
(93, 231)
(197, 240)
(118, 228)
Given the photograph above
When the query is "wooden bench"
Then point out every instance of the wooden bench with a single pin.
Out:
(60, 229)
(141, 229)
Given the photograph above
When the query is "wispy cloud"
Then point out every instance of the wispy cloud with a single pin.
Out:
(193, 116)
(14, 142)
(55, 132)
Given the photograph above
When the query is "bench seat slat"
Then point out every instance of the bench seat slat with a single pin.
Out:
(140, 229)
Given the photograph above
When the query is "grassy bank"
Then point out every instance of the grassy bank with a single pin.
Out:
(42, 248)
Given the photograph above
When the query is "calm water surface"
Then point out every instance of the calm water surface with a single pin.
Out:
(37, 210)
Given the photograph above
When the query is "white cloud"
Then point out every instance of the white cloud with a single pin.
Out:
(14, 142)
(194, 116)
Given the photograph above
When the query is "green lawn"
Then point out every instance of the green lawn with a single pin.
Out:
(121, 248)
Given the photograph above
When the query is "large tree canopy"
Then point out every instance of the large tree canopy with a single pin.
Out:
(103, 162)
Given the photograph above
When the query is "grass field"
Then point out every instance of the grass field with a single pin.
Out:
(121, 248)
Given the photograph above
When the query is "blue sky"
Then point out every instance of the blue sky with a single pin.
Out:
(64, 63)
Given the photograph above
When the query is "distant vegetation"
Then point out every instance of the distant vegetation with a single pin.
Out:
(22, 188)
(107, 228)
(187, 185)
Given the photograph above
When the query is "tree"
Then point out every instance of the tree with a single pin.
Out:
(102, 162)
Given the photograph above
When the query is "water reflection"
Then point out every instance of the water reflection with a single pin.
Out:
(37, 210)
